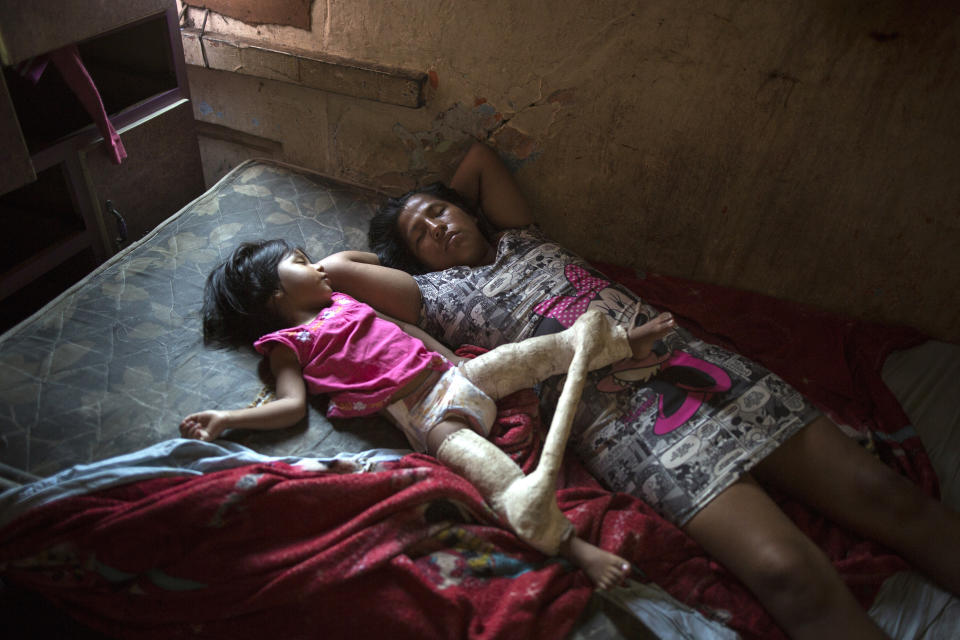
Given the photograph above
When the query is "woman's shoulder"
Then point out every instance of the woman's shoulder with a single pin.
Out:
(530, 239)
(508, 238)
(532, 230)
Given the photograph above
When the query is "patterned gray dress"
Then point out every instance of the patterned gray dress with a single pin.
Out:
(674, 429)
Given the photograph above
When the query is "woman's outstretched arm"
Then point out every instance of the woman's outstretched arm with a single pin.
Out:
(360, 275)
(484, 179)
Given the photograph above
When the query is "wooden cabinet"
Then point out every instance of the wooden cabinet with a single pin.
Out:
(56, 175)
(156, 180)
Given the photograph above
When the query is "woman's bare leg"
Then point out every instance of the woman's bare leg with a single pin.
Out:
(748, 533)
(830, 472)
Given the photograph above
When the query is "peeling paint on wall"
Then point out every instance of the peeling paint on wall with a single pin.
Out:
(519, 137)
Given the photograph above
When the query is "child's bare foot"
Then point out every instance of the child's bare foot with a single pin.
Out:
(642, 338)
(605, 569)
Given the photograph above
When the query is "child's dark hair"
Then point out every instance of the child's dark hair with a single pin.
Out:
(236, 298)
(384, 235)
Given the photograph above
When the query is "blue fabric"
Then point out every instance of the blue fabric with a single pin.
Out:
(168, 458)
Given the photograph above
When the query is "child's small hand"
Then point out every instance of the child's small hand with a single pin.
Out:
(206, 425)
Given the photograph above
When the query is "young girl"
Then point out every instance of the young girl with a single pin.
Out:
(271, 294)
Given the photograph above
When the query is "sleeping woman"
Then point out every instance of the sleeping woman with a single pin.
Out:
(692, 429)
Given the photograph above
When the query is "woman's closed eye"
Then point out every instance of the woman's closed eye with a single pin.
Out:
(419, 233)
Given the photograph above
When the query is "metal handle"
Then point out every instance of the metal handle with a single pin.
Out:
(121, 225)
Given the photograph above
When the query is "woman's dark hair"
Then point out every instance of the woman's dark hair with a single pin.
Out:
(384, 235)
(236, 309)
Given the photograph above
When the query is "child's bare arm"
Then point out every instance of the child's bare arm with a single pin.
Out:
(288, 408)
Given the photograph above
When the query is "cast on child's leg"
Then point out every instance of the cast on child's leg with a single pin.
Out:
(521, 365)
(529, 502)
(535, 518)
(494, 475)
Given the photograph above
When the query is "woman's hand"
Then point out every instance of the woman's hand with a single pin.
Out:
(205, 425)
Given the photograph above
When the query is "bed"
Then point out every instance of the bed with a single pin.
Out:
(129, 531)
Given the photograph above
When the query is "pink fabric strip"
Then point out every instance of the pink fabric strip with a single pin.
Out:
(68, 63)
(33, 68)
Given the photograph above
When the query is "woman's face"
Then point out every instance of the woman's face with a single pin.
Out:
(442, 235)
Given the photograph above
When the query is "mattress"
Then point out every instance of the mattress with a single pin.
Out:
(114, 363)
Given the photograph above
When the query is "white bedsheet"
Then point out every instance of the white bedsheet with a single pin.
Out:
(926, 380)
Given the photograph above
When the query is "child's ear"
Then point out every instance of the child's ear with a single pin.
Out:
(275, 300)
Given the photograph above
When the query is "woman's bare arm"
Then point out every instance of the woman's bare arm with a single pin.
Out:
(483, 178)
(360, 275)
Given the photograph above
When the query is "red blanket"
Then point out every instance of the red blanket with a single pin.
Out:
(273, 551)
(411, 551)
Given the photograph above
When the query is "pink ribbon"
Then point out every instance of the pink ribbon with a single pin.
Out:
(68, 63)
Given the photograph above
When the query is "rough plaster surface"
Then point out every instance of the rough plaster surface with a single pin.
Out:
(294, 13)
(807, 150)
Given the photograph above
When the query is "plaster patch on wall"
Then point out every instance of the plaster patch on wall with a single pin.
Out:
(206, 110)
(450, 129)
(516, 148)
(518, 137)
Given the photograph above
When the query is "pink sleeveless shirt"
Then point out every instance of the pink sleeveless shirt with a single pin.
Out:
(357, 358)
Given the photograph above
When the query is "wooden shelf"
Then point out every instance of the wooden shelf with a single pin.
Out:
(54, 186)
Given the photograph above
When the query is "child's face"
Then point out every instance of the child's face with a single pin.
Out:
(304, 284)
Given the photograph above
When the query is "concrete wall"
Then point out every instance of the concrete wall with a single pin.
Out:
(806, 149)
